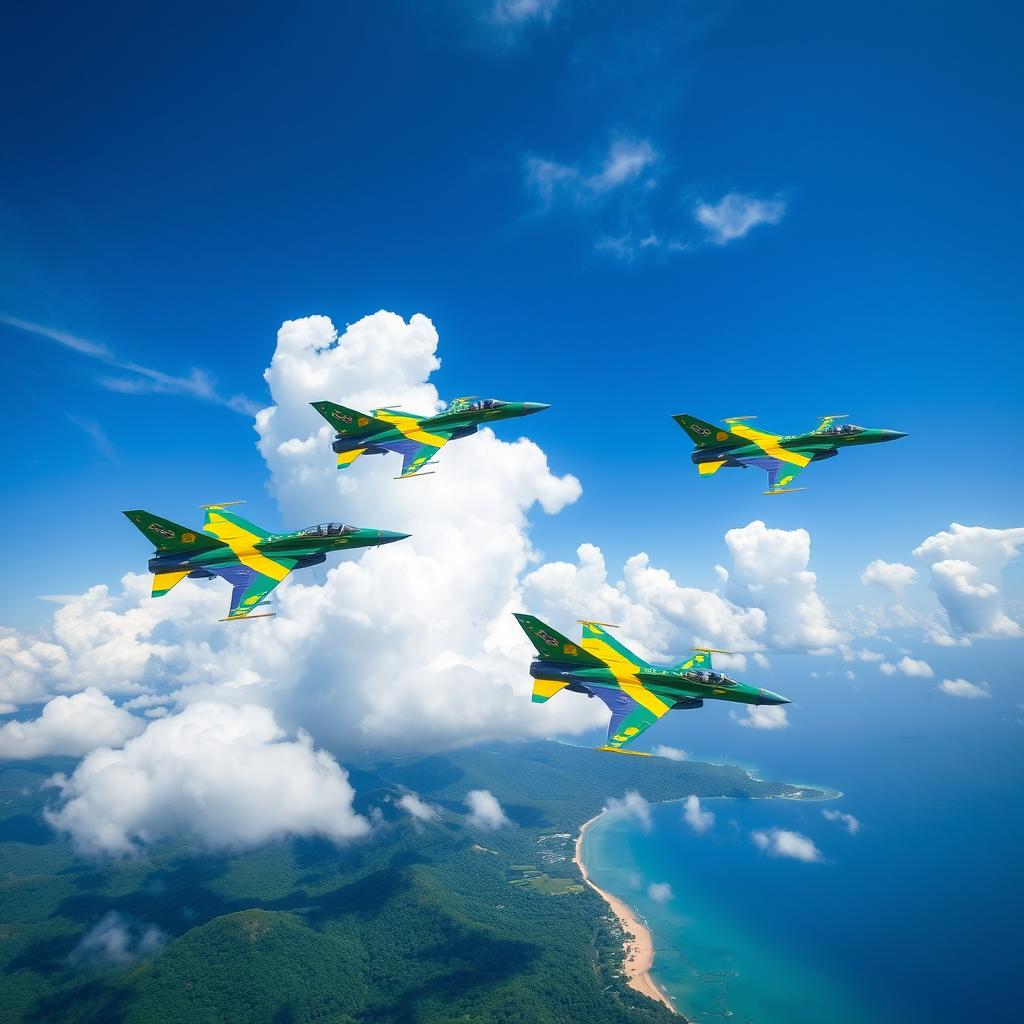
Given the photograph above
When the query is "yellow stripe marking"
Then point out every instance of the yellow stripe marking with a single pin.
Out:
(768, 444)
(644, 698)
(707, 468)
(242, 544)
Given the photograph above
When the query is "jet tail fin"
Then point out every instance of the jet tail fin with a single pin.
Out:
(168, 536)
(551, 645)
(350, 422)
(706, 435)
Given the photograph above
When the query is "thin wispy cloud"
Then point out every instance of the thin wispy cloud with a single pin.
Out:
(100, 441)
(143, 380)
(626, 197)
(622, 164)
(735, 215)
(521, 12)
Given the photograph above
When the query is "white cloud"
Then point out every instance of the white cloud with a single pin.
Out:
(69, 726)
(913, 667)
(632, 805)
(695, 816)
(116, 940)
(779, 842)
(660, 892)
(519, 12)
(484, 810)
(966, 565)
(622, 164)
(762, 716)
(734, 215)
(771, 573)
(848, 821)
(225, 776)
(142, 379)
(892, 576)
(671, 753)
(418, 808)
(962, 688)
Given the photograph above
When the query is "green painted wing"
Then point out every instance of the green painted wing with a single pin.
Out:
(249, 587)
(414, 459)
(629, 719)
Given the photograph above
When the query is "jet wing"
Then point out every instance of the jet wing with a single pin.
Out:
(249, 587)
(780, 474)
(629, 718)
(416, 456)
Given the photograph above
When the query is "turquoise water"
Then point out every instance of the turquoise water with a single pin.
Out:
(915, 918)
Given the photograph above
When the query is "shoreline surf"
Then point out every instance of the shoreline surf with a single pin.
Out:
(638, 951)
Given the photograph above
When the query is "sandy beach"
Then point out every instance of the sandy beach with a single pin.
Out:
(638, 952)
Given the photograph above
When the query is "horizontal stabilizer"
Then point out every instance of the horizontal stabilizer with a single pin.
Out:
(619, 750)
(166, 581)
(545, 689)
(785, 490)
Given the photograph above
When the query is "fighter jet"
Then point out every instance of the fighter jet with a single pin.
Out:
(251, 559)
(637, 693)
(417, 437)
(782, 458)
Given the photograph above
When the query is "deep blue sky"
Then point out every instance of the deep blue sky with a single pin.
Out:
(175, 183)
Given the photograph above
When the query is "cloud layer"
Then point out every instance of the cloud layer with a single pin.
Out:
(226, 776)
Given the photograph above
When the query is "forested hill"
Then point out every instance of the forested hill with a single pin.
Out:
(426, 921)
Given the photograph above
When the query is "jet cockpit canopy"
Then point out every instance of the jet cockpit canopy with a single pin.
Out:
(842, 428)
(474, 404)
(712, 678)
(327, 530)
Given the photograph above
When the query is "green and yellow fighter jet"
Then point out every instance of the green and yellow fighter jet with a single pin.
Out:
(417, 437)
(251, 559)
(637, 693)
(782, 458)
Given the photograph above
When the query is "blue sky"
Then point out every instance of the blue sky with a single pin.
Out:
(176, 185)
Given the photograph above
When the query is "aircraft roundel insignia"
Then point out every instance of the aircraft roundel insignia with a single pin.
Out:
(569, 649)
(363, 421)
(721, 435)
(187, 538)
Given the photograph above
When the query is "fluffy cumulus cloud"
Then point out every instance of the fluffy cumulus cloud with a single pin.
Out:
(892, 576)
(224, 775)
(771, 573)
(660, 892)
(116, 940)
(632, 805)
(695, 816)
(780, 842)
(913, 667)
(418, 808)
(736, 215)
(966, 566)
(484, 810)
(964, 689)
(847, 821)
(70, 726)
(761, 716)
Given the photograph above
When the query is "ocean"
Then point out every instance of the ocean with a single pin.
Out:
(916, 917)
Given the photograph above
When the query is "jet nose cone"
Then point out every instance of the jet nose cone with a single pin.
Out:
(767, 697)
(531, 407)
(389, 537)
(893, 435)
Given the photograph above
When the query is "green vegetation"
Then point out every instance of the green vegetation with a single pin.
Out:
(423, 923)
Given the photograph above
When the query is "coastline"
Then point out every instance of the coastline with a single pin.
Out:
(638, 952)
